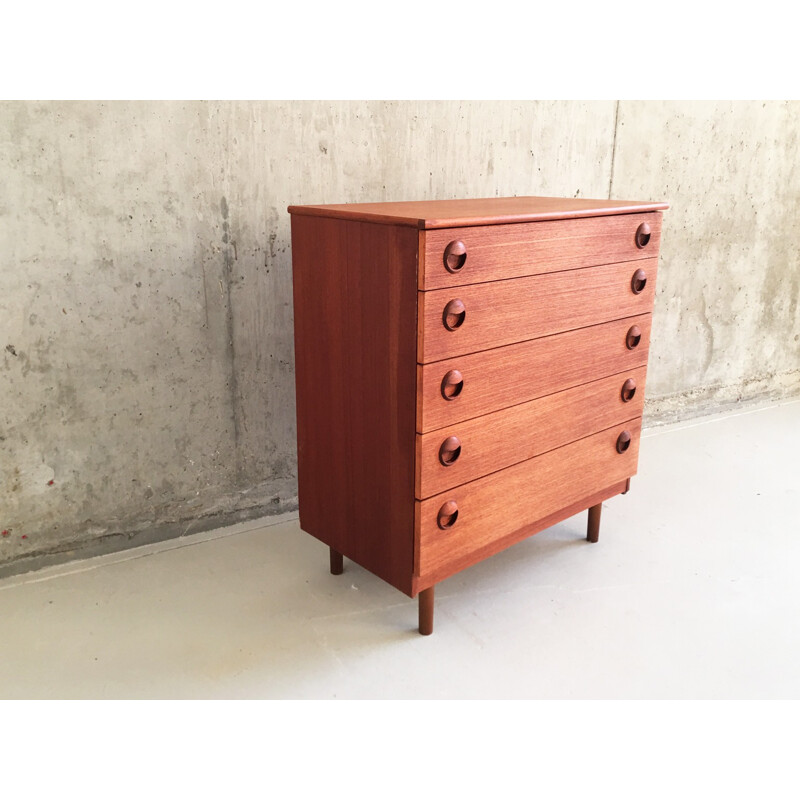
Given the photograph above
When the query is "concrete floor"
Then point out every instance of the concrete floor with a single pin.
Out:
(692, 592)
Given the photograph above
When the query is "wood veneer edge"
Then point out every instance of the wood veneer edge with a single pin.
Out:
(435, 223)
(515, 219)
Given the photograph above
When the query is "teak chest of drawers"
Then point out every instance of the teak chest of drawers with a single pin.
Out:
(468, 373)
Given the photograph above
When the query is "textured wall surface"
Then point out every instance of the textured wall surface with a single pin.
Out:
(727, 315)
(145, 288)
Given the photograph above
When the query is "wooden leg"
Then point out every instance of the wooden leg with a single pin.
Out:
(593, 529)
(337, 563)
(426, 611)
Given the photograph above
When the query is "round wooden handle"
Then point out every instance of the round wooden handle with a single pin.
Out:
(642, 235)
(454, 314)
(633, 337)
(638, 281)
(628, 390)
(455, 256)
(447, 516)
(452, 384)
(450, 451)
(623, 441)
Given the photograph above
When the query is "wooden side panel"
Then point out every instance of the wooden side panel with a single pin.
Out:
(516, 373)
(319, 267)
(498, 440)
(531, 248)
(502, 312)
(355, 361)
(497, 506)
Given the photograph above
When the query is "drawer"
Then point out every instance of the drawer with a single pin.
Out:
(483, 382)
(461, 256)
(452, 525)
(469, 450)
(485, 315)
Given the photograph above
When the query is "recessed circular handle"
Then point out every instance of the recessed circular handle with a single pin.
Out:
(452, 384)
(628, 390)
(638, 281)
(623, 441)
(643, 235)
(454, 314)
(455, 256)
(447, 516)
(633, 337)
(450, 451)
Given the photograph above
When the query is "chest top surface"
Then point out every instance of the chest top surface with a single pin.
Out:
(427, 214)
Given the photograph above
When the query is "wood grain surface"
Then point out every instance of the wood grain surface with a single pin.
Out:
(355, 362)
(477, 211)
(542, 309)
(498, 440)
(517, 373)
(502, 312)
(498, 505)
(468, 559)
(513, 251)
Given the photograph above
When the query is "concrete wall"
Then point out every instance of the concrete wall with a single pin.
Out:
(727, 321)
(146, 357)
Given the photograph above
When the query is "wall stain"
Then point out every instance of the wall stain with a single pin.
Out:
(228, 260)
(708, 329)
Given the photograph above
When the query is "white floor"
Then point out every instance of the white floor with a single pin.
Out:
(692, 592)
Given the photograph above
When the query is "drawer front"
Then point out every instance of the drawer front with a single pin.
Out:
(480, 383)
(482, 512)
(486, 315)
(469, 450)
(461, 256)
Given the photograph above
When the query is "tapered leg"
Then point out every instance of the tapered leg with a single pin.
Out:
(593, 529)
(337, 563)
(426, 612)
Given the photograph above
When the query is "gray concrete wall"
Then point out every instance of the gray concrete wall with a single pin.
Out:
(727, 322)
(146, 357)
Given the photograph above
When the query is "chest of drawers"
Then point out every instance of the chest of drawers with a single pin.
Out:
(468, 373)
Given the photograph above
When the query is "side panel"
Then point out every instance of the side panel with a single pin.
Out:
(355, 370)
